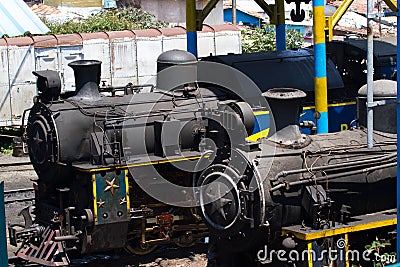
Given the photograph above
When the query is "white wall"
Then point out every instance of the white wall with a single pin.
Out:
(127, 56)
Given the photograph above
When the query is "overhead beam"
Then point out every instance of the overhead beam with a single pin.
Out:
(330, 22)
(391, 4)
(340, 11)
(276, 14)
(201, 15)
(269, 9)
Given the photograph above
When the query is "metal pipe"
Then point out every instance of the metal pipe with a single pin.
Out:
(299, 153)
(320, 85)
(334, 166)
(372, 156)
(234, 12)
(65, 238)
(398, 135)
(157, 241)
(191, 33)
(331, 177)
(8, 136)
(280, 26)
(370, 74)
(23, 199)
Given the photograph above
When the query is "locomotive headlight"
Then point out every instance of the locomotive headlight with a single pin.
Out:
(41, 137)
(219, 197)
(230, 202)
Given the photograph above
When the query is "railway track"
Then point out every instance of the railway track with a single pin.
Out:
(15, 164)
(165, 256)
(22, 195)
(19, 195)
(17, 174)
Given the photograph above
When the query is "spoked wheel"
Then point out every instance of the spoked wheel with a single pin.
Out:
(136, 247)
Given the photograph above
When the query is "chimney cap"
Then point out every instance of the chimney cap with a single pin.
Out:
(84, 62)
(176, 57)
(284, 93)
(382, 89)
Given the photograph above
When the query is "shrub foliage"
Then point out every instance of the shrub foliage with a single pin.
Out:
(108, 20)
(263, 39)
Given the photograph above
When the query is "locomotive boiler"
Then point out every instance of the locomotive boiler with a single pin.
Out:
(317, 182)
(97, 156)
(174, 164)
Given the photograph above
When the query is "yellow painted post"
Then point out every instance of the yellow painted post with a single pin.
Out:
(330, 22)
(280, 25)
(191, 33)
(320, 84)
(328, 29)
(310, 253)
(346, 249)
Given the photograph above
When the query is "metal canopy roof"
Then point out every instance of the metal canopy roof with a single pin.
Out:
(18, 18)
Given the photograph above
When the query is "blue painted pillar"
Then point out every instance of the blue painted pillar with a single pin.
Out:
(3, 236)
(280, 37)
(320, 84)
(191, 33)
(398, 134)
(280, 26)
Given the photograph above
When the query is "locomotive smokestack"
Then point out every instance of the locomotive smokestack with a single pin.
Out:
(87, 78)
(285, 105)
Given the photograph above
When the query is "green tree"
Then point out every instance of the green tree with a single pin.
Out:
(263, 39)
(380, 256)
(108, 20)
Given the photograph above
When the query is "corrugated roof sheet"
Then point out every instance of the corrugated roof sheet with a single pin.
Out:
(245, 9)
(18, 18)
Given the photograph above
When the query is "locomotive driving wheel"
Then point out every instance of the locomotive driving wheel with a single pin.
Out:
(186, 240)
(135, 246)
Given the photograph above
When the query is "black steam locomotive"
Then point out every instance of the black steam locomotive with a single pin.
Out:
(173, 164)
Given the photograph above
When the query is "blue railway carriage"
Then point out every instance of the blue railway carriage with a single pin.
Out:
(295, 69)
(350, 56)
